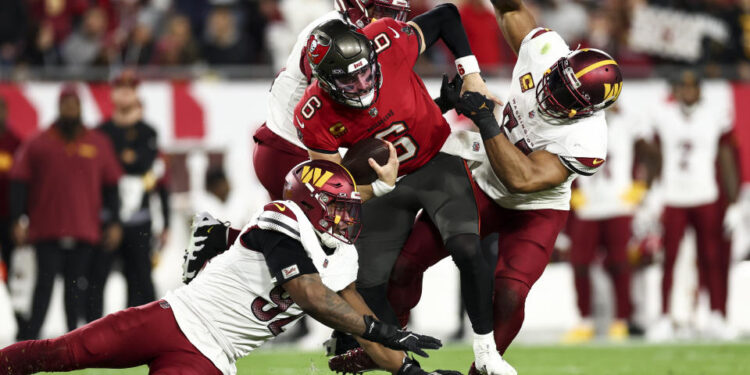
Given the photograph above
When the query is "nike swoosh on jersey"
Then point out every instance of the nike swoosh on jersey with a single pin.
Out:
(395, 33)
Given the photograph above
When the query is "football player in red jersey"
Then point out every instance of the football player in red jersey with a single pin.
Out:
(553, 130)
(277, 147)
(366, 87)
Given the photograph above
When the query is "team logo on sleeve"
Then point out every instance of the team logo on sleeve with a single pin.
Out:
(338, 129)
(290, 271)
(527, 82)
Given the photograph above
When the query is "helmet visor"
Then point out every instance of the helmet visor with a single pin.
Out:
(557, 95)
(343, 214)
(356, 84)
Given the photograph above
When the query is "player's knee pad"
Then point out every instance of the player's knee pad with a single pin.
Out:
(466, 250)
(510, 296)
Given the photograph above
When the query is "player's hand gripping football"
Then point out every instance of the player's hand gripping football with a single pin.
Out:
(388, 171)
(481, 110)
(390, 336)
(208, 238)
(450, 92)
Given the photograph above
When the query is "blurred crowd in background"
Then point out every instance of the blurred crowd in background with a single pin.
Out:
(78, 34)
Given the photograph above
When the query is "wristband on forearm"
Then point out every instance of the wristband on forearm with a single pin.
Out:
(380, 187)
(467, 65)
(488, 127)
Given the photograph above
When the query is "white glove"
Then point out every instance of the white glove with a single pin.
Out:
(732, 219)
(487, 360)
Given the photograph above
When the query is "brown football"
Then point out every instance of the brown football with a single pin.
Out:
(356, 157)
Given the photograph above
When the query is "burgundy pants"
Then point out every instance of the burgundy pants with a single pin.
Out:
(707, 222)
(273, 158)
(143, 335)
(612, 235)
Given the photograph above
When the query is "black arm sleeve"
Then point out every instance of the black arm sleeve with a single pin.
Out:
(444, 22)
(111, 204)
(285, 256)
(18, 194)
(165, 205)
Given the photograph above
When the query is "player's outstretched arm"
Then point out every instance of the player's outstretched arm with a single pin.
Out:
(327, 307)
(520, 173)
(444, 23)
(515, 21)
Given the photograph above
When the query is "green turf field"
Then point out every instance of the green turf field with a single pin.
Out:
(595, 359)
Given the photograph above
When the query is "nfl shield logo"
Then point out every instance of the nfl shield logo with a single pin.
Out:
(325, 263)
(531, 114)
(475, 146)
(373, 112)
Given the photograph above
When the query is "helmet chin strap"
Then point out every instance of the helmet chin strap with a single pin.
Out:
(363, 102)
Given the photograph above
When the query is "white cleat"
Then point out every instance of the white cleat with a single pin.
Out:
(487, 360)
(662, 330)
(718, 328)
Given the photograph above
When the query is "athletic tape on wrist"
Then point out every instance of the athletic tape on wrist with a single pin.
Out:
(467, 65)
(380, 187)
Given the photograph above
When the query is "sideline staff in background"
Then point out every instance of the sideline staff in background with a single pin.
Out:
(9, 142)
(135, 144)
(62, 178)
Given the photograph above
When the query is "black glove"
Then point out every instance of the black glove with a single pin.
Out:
(449, 93)
(479, 109)
(411, 367)
(391, 337)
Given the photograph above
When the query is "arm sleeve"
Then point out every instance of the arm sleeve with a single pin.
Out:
(285, 256)
(581, 166)
(111, 204)
(444, 22)
(18, 195)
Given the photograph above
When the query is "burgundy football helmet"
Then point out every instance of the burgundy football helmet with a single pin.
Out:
(327, 194)
(358, 14)
(579, 84)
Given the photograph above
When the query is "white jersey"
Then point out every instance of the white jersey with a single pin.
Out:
(689, 143)
(611, 192)
(581, 145)
(290, 85)
(234, 305)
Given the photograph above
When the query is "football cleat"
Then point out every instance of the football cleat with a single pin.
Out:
(354, 361)
(618, 331)
(208, 238)
(583, 332)
(487, 360)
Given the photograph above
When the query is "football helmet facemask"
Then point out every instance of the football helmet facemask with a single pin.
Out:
(345, 64)
(327, 194)
(579, 84)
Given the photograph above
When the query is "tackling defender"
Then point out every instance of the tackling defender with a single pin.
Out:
(366, 88)
(553, 129)
(276, 271)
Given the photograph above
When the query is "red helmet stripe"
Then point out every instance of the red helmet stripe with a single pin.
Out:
(594, 66)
